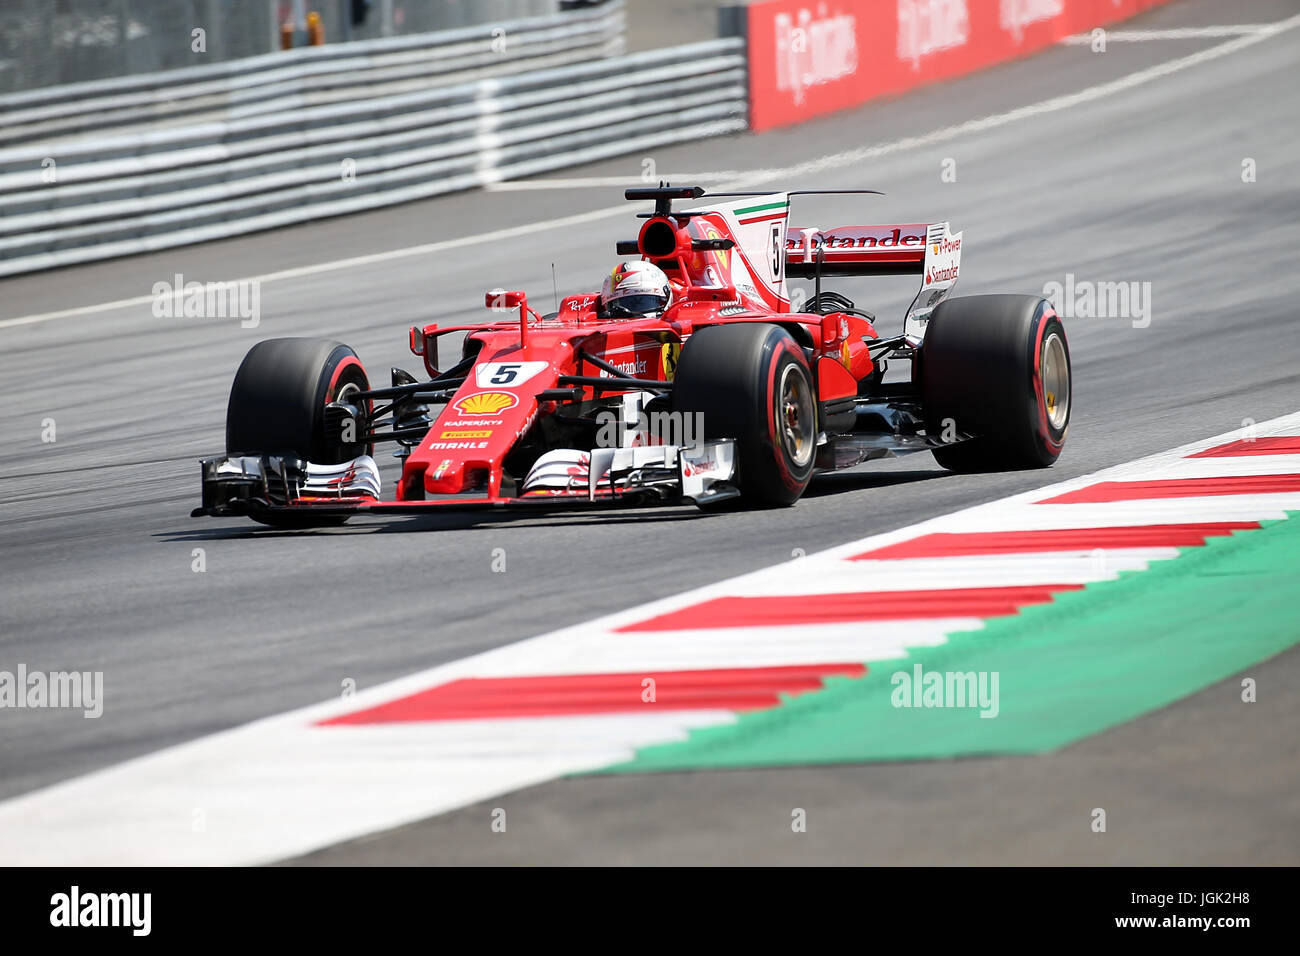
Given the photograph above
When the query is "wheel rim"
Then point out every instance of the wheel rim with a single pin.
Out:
(797, 418)
(344, 392)
(1056, 381)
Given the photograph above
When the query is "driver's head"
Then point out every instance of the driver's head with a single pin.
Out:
(635, 289)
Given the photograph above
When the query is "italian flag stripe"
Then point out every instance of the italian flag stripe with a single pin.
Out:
(763, 208)
(775, 215)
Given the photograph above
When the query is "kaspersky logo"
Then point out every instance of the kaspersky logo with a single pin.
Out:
(486, 403)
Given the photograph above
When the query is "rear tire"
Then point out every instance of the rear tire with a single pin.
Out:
(277, 407)
(751, 382)
(997, 367)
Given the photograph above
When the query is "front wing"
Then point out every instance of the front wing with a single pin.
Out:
(561, 479)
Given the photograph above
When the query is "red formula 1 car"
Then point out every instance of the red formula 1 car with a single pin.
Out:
(727, 392)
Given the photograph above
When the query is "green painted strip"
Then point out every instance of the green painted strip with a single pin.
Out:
(1092, 659)
(771, 205)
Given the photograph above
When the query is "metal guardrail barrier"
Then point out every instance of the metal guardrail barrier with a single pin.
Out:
(45, 43)
(120, 195)
(310, 76)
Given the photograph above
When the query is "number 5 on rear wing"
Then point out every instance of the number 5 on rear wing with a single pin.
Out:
(931, 251)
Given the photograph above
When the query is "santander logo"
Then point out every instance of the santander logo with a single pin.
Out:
(928, 26)
(814, 48)
(940, 275)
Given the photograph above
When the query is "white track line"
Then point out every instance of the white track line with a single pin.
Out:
(751, 178)
(598, 651)
(1174, 33)
(610, 182)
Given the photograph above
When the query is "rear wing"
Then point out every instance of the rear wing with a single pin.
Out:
(931, 251)
(855, 250)
(755, 227)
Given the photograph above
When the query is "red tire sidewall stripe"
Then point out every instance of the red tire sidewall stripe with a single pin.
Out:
(1040, 393)
(785, 346)
(331, 391)
(343, 366)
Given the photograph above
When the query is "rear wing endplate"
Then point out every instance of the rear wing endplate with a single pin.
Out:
(931, 251)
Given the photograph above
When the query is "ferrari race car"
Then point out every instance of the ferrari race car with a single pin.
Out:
(733, 390)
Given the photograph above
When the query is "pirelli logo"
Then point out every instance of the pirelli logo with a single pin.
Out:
(465, 435)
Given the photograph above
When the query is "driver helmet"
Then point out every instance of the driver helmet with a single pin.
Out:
(635, 289)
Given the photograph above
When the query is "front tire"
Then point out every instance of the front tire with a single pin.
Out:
(997, 367)
(277, 407)
(751, 382)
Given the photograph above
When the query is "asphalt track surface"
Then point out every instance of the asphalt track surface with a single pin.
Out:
(96, 546)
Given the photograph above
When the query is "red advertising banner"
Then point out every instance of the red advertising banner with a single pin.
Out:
(809, 57)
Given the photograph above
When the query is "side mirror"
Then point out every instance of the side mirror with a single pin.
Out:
(834, 328)
(424, 343)
(500, 300)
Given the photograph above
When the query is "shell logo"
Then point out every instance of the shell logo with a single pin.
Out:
(486, 403)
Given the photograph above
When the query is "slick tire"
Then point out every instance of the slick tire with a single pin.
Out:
(277, 407)
(751, 382)
(996, 367)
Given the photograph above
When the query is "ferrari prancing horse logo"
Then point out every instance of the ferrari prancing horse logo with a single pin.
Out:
(711, 232)
(669, 354)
